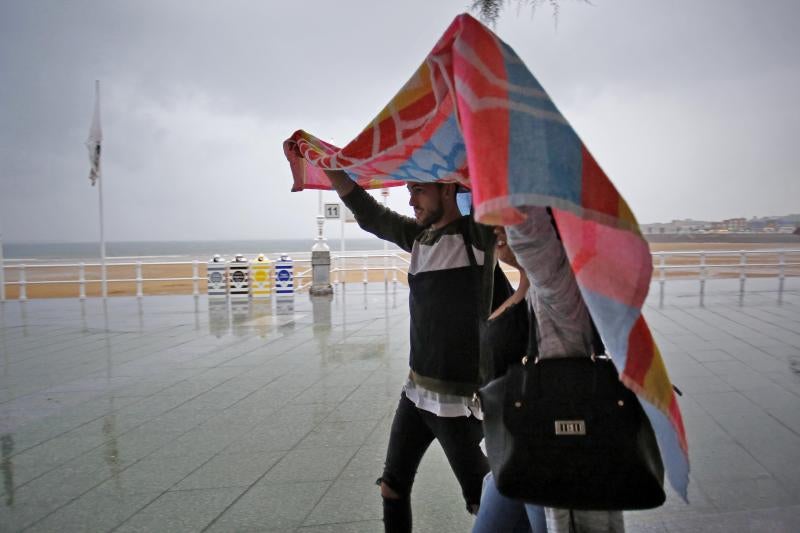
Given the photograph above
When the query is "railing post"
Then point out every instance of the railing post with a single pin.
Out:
(662, 277)
(366, 270)
(23, 293)
(702, 275)
(742, 269)
(195, 278)
(394, 269)
(139, 281)
(781, 271)
(82, 281)
(2, 273)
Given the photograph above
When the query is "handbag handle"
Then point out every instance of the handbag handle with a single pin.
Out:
(487, 292)
(597, 346)
(537, 382)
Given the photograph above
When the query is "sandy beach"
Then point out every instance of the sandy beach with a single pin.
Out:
(62, 281)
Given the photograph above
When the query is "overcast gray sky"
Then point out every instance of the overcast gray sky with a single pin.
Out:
(690, 106)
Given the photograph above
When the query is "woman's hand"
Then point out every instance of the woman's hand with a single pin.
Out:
(502, 250)
(503, 253)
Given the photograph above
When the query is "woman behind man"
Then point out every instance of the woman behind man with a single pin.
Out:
(564, 330)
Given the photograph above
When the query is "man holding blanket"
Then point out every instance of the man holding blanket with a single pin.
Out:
(447, 254)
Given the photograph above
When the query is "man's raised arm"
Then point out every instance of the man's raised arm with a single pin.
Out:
(341, 182)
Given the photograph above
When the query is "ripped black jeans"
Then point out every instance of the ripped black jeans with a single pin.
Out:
(412, 432)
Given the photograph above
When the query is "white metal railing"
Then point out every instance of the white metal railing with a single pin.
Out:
(366, 262)
(78, 270)
(705, 265)
(20, 274)
(699, 265)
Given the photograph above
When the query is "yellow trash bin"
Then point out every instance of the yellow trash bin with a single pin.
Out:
(261, 277)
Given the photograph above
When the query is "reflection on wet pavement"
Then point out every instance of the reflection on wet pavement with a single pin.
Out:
(246, 317)
(7, 467)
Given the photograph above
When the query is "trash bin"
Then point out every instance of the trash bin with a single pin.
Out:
(217, 277)
(238, 279)
(284, 276)
(261, 277)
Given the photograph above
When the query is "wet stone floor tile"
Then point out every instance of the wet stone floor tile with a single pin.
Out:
(170, 414)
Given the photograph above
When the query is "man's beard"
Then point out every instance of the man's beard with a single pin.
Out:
(431, 217)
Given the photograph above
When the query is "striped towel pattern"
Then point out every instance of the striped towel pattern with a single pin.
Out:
(474, 114)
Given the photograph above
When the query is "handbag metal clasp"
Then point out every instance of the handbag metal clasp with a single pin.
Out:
(570, 427)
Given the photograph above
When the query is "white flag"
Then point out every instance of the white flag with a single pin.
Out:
(95, 138)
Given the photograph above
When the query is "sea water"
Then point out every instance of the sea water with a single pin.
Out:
(174, 250)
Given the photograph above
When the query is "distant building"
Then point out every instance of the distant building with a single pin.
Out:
(676, 226)
(756, 224)
(736, 225)
(771, 226)
(718, 226)
(786, 224)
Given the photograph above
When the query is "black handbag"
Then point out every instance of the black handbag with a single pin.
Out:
(567, 433)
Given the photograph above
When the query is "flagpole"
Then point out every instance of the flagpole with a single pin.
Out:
(94, 144)
(104, 281)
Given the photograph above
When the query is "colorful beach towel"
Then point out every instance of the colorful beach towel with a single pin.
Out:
(472, 113)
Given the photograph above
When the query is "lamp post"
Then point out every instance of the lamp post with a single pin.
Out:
(320, 259)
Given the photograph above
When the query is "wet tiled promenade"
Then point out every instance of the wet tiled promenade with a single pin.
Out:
(176, 414)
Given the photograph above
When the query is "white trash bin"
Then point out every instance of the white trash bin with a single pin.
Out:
(217, 274)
